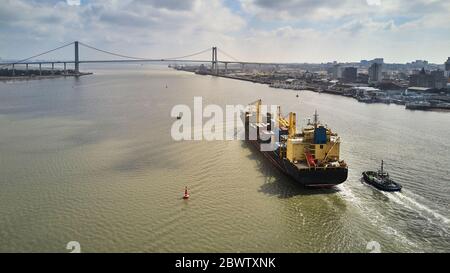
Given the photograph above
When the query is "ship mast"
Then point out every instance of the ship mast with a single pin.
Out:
(316, 119)
(258, 111)
(292, 124)
(279, 113)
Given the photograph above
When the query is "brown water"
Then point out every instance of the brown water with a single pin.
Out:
(91, 160)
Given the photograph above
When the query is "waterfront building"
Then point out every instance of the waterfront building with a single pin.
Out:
(337, 72)
(363, 78)
(375, 73)
(417, 91)
(435, 79)
(349, 74)
(391, 85)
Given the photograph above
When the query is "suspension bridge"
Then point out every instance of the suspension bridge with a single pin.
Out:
(214, 61)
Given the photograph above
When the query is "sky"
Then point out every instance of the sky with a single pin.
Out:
(311, 31)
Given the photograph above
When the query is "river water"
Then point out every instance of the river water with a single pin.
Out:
(92, 160)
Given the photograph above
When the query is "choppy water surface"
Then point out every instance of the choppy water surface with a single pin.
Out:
(91, 160)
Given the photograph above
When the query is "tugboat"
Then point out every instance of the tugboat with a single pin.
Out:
(381, 180)
(310, 157)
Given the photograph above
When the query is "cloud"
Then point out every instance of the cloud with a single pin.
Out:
(167, 4)
(73, 2)
(373, 2)
(256, 30)
(147, 28)
(326, 10)
(292, 10)
(400, 30)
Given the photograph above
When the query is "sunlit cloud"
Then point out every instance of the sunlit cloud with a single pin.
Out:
(73, 2)
(373, 2)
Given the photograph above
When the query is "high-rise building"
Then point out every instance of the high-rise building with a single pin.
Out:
(447, 67)
(337, 72)
(378, 61)
(419, 63)
(349, 74)
(375, 73)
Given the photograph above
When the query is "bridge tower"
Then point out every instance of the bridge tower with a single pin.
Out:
(77, 61)
(214, 62)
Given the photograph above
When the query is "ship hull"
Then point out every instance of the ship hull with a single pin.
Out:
(312, 177)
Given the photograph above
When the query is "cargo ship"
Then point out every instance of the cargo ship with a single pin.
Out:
(310, 157)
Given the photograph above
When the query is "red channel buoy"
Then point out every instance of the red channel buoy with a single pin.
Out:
(186, 194)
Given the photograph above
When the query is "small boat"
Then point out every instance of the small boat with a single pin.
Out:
(186, 194)
(381, 180)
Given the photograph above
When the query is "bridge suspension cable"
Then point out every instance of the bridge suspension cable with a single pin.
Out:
(140, 58)
(190, 55)
(35, 56)
(111, 53)
(228, 55)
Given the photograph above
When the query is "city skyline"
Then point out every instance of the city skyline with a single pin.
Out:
(258, 30)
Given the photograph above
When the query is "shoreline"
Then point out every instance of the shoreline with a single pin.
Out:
(38, 77)
(320, 90)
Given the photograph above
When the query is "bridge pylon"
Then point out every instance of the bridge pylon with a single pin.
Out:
(77, 61)
(214, 62)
